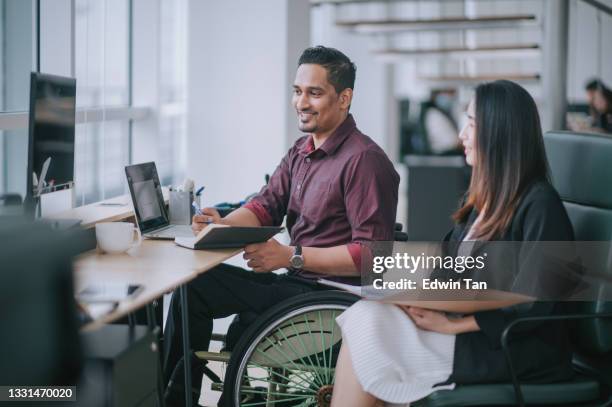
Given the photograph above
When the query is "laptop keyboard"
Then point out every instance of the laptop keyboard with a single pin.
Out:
(173, 231)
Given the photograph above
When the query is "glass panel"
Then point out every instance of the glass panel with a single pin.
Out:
(171, 138)
(173, 43)
(102, 71)
(15, 54)
(173, 71)
(102, 52)
(15, 159)
(102, 152)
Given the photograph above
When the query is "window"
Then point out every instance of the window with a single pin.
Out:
(173, 46)
(15, 66)
(129, 59)
(102, 73)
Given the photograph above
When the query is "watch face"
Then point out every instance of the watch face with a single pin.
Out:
(297, 262)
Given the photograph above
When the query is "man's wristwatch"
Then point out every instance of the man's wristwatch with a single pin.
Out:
(297, 260)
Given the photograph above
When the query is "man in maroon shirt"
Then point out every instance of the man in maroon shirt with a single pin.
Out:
(338, 191)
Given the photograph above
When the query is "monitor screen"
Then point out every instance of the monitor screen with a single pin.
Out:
(51, 143)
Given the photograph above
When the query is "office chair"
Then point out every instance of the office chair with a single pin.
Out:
(582, 174)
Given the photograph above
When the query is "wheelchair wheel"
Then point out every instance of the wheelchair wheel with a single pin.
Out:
(287, 358)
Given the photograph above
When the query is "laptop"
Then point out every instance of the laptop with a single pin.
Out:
(149, 207)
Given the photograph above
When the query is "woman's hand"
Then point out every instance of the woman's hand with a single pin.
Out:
(430, 320)
(437, 321)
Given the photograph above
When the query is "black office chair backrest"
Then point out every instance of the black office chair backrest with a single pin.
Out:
(581, 169)
(39, 341)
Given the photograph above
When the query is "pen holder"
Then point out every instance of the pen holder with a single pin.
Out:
(180, 207)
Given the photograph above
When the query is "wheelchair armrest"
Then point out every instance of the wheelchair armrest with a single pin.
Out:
(506, 333)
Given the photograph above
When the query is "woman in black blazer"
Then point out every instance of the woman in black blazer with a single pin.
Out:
(509, 199)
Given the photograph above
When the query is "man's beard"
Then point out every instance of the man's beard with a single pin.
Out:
(307, 127)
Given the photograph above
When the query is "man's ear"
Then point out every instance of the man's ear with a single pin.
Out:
(346, 97)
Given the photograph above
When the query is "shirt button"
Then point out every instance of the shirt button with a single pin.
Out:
(299, 186)
(308, 159)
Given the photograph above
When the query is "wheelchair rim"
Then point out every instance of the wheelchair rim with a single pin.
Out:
(324, 377)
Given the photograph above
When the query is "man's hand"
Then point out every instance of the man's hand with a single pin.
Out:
(199, 222)
(268, 256)
(431, 320)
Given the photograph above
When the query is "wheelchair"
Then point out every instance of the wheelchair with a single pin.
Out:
(285, 356)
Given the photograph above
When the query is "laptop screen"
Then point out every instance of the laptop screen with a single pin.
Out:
(147, 196)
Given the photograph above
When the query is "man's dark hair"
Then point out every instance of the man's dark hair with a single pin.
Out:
(340, 69)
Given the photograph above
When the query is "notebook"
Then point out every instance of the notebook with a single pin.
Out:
(217, 236)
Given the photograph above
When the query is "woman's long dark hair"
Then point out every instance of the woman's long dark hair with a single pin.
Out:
(510, 156)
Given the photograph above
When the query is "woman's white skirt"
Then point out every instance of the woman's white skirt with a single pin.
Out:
(393, 359)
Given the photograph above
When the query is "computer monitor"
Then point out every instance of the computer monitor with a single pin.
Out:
(51, 133)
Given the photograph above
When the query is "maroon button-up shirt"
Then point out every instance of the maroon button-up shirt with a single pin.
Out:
(344, 192)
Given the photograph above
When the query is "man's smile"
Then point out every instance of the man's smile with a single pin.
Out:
(305, 116)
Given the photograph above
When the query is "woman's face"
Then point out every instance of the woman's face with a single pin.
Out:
(468, 135)
(599, 102)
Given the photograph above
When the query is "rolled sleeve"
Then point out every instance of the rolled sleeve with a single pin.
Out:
(355, 252)
(260, 212)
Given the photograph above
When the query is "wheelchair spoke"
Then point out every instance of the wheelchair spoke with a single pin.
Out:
(291, 362)
(269, 402)
(312, 340)
(302, 360)
(285, 395)
(289, 384)
(318, 379)
(289, 381)
(322, 336)
(279, 363)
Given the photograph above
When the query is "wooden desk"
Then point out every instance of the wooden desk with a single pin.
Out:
(159, 266)
(110, 210)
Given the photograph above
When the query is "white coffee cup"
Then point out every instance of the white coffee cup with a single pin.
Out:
(117, 237)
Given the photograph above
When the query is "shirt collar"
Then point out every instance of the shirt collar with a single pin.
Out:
(334, 141)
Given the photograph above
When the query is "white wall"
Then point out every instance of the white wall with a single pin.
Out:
(374, 112)
(239, 88)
